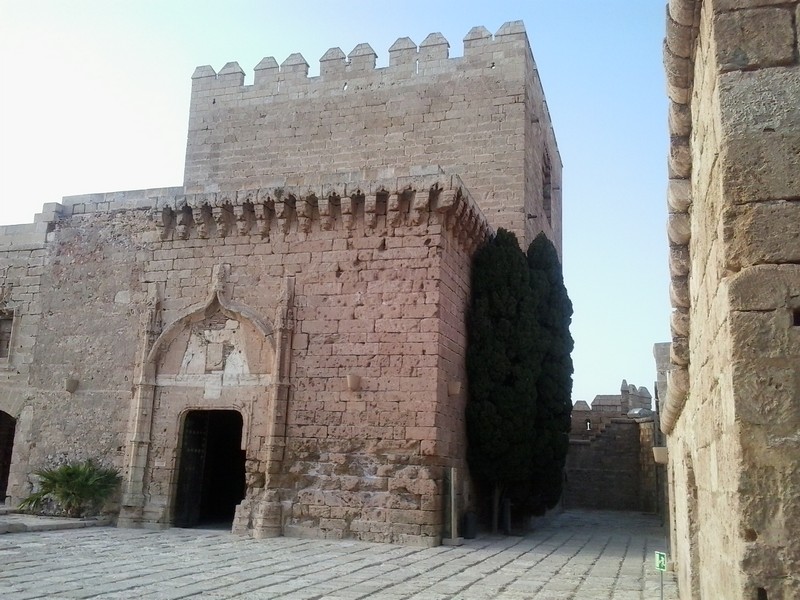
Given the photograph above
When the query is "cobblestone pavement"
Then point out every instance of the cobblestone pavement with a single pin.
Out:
(579, 555)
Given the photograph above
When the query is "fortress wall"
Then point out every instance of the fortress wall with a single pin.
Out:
(324, 230)
(453, 306)
(373, 281)
(86, 310)
(21, 268)
(22, 259)
(543, 168)
(380, 287)
(706, 491)
(759, 103)
(469, 115)
(603, 473)
(732, 409)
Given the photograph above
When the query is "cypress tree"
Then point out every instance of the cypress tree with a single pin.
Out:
(553, 310)
(504, 357)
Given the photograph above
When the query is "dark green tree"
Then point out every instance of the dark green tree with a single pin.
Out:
(504, 358)
(554, 383)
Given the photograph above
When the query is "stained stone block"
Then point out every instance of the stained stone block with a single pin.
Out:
(761, 167)
(682, 11)
(679, 38)
(403, 52)
(755, 38)
(767, 232)
(333, 61)
(763, 334)
(231, 74)
(680, 159)
(679, 195)
(761, 101)
(362, 58)
(728, 5)
(766, 392)
(679, 351)
(679, 229)
(476, 38)
(266, 70)
(679, 323)
(680, 119)
(764, 287)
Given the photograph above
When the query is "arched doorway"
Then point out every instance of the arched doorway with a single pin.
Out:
(211, 471)
(7, 427)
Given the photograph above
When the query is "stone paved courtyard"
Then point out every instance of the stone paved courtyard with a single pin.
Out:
(579, 555)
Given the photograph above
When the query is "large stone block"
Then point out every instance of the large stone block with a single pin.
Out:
(764, 334)
(767, 232)
(767, 392)
(765, 288)
(762, 167)
(754, 38)
(760, 101)
(726, 5)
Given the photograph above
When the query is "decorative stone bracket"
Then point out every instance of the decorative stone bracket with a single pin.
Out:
(682, 27)
(263, 212)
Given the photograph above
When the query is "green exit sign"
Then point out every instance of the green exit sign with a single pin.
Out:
(661, 561)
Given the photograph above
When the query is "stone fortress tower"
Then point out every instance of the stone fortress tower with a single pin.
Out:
(482, 116)
(280, 341)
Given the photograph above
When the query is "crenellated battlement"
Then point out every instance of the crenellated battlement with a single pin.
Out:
(482, 116)
(406, 59)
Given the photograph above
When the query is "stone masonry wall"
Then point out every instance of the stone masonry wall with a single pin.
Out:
(380, 285)
(732, 411)
(87, 328)
(604, 472)
(454, 293)
(22, 248)
(22, 259)
(481, 116)
(312, 275)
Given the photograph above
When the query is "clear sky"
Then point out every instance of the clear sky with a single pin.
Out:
(95, 97)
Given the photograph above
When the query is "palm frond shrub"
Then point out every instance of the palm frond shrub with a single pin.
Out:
(78, 488)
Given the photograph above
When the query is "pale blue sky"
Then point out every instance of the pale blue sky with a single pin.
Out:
(95, 97)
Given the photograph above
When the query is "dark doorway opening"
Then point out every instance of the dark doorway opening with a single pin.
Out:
(8, 425)
(210, 469)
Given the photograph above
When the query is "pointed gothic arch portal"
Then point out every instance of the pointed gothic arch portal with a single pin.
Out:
(211, 473)
(8, 425)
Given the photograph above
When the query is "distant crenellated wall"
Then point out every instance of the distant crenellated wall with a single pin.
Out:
(303, 285)
(482, 116)
(610, 462)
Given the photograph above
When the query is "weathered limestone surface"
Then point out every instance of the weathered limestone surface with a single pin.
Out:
(482, 116)
(603, 471)
(732, 407)
(184, 314)
(610, 463)
(311, 275)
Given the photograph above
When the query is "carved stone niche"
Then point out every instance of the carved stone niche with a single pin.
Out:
(184, 222)
(244, 215)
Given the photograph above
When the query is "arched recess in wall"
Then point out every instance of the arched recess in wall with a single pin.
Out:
(216, 346)
(199, 312)
(8, 425)
(217, 355)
